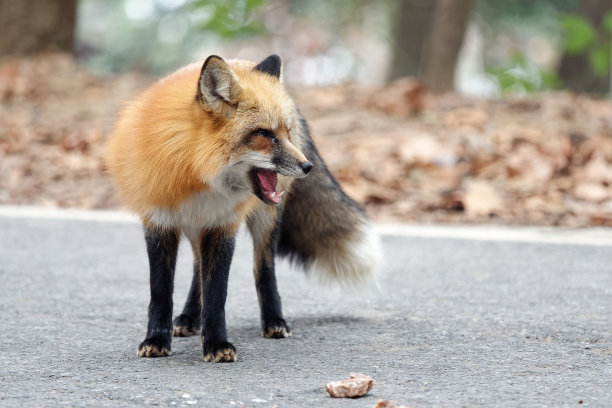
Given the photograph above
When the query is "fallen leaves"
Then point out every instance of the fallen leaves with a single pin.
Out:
(405, 154)
(481, 199)
(545, 160)
(469, 117)
(592, 192)
(54, 119)
(405, 96)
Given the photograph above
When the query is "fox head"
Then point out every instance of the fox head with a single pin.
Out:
(257, 122)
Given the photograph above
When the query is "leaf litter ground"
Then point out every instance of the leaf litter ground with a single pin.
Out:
(404, 154)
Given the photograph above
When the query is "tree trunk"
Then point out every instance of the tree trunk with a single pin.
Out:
(575, 70)
(447, 32)
(412, 30)
(32, 26)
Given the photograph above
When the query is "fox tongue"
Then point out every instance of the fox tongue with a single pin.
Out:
(267, 182)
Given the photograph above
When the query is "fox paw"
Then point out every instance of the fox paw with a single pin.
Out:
(276, 329)
(221, 352)
(185, 326)
(154, 347)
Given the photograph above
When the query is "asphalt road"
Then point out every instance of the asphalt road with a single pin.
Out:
(458, 323)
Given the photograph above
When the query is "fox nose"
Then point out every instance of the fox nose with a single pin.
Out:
(306, 167)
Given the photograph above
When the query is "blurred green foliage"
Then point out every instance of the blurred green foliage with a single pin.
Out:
(229, 18)
(579, 33)
(518, 22)
(521, 75)
(495, 10)
(159, 36)
(582, 37)
(336, 14)
(156, 36)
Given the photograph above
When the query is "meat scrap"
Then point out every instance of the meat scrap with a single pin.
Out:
(356, 386)
(388, 404)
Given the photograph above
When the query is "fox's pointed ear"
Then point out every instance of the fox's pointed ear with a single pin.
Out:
(218, 86)
(271, 66)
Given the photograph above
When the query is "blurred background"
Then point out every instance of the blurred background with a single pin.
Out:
(425, 110)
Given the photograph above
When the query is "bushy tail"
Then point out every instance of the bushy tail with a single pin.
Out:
(325, 230)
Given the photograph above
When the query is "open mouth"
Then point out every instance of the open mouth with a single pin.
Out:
(264, 184)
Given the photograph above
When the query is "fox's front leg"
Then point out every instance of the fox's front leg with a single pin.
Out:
(217, 249)
(264, 228)
(162, 247)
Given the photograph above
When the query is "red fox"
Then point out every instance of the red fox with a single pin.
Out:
(207, 148)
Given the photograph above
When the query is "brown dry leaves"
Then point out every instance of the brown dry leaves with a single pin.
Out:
(544, 160)
(405, 154)
(54, 119)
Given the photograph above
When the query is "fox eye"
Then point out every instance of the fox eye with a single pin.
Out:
(267, 134)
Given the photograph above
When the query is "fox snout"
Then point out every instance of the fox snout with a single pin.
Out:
(286, 160)
(290, 161)
(306, 167)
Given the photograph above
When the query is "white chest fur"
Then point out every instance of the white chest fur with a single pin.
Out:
(203, 210)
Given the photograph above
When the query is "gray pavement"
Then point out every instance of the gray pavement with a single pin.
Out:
(458, 323)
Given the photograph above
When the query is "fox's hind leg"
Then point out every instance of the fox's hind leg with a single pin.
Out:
(162, 247)
(264, 228)
(188, 322)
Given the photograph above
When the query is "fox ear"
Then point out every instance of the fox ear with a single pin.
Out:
(271, 66)
(218, 86)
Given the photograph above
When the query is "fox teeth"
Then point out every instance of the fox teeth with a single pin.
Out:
(279, 193)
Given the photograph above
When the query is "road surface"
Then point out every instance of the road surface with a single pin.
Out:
(466, 317)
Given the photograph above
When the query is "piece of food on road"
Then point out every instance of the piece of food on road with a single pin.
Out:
(357, 385)
(388, 404)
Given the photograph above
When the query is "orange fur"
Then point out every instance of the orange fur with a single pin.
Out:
(166, 146)
(151, 151)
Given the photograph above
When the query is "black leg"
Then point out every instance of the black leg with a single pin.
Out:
(188, 322)
(217, 249)
(162, 247)
(264, 228)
